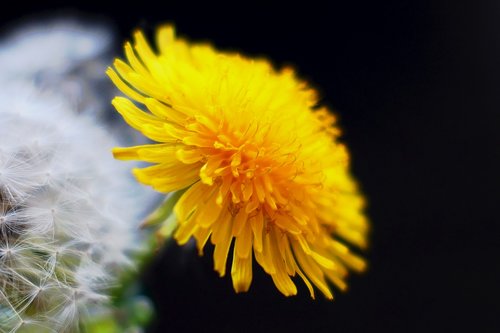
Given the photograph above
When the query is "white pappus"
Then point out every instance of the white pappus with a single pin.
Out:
(68, 213)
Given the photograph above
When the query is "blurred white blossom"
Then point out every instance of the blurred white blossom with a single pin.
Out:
(63, 55)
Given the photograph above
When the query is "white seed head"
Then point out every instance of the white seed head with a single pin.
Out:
(68, 213)
(63, 55)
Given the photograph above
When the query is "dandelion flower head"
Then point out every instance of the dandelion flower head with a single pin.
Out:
(254, 158)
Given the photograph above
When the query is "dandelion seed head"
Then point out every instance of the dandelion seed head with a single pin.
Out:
(67, 222)
(64, 55)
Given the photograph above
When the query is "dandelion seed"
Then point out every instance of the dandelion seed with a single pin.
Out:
(256, 159)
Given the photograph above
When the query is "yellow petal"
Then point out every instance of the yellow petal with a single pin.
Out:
(143, 49)
(165, 38)
(185, 231)
(243, 243)
(257, 225)
(189, 201)
(222, 244)
(134, 61)
(312, 271)
(239, 222)
(188, 156)
(164, 111)
(209, 212)
(280, 277)
(125, 88)
(201, 235)
(241, 272)
(134, 116)
(264, 258)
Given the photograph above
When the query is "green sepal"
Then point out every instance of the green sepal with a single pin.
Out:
(163, 212)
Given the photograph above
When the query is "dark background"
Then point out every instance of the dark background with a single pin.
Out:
(417, 89)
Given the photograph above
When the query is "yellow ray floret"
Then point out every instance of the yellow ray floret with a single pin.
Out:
(258, 160)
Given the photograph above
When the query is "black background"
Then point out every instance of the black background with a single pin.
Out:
(417, 89)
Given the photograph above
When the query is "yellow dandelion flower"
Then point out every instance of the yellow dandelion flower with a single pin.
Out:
(254, 160)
